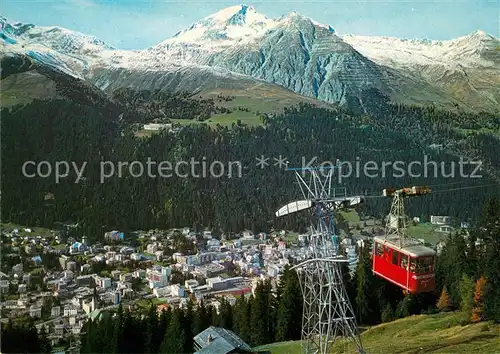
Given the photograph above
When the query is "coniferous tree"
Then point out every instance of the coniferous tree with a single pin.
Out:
(108, 334)
(202, 318)
(478, 309)
(366, 301)
(273, 316)
(45, 345)
(174, 339)
(214, 317)
(132, 340)
(444, 303)
(186, 323)
(490, 233)
(260, 315)
(89, 337)
(117, 345)
(349, 283)
(289, 319)
(467, 287)
(403, 308)
(225, 316)
(242, 318)
(472, 256)
(165, 317)
(451, 265)
(12, 337)
(387, 313)
(31, 339)
(151, 330)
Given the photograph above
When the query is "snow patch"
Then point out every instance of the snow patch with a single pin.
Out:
(234, 25)
(464, 51)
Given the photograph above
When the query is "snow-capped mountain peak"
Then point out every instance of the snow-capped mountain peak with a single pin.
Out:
(465, 51)
(481, 35)
(297, 18)
(50, 37)
(236, 24)
(236, 15)
(14, 29)
(229, 24)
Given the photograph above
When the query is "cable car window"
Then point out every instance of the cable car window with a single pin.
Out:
(418, 270)
(379, 250)
(387, 254)
(427, 264)
(395, 257)
(404, 261)
(413, 264)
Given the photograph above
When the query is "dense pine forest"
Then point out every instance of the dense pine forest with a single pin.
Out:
(467, 280)
(162, 106)
(62, 130)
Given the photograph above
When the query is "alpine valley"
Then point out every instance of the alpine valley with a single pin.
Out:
(172, 165)
(239, 48)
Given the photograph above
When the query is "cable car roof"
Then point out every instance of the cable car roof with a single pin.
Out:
(413, 250)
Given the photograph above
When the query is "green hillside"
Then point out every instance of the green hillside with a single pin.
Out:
(439, 333)
(257, 99)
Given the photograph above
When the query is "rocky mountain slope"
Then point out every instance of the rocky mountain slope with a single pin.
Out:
(466, 69)
(292, 51)
(237, 47)
(74, 57)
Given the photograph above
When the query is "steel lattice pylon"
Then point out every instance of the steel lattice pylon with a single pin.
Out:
(395, 226)
(327, 313)
(396, 223)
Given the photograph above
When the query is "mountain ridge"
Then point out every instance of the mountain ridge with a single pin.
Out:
(292, 51)
(17, 26)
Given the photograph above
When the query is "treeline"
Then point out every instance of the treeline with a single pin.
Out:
(264, 317)
(474, 136)
(428, 122)
(468, 272)
(24, 338)
(161, 106)
(268, 315)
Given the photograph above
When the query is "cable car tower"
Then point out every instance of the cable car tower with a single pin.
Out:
(327, 311)
(396, 223)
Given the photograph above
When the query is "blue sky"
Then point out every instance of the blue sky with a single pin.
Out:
(138, 24)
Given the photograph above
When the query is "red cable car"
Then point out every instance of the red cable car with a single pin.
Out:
(398, 258)
(410, 267)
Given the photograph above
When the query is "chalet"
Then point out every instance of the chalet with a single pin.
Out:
(219, 340)
(440, 220)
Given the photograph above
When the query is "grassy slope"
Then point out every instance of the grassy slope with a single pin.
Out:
(256, 97)
(24, 87)
(260, 98)
(439, 333)
(35, 231)
(350, 216)
(425, 231)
